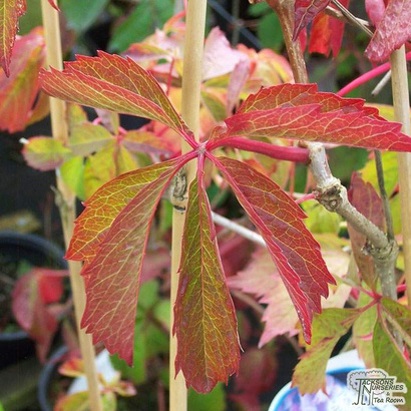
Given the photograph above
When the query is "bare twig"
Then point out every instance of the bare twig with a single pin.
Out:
(350, 18)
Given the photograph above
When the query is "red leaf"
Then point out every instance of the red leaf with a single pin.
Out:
(10, 11)
(375, 10)
(31, 312)
(51, 284)
(102, 208)
(19, 91)
(261, 279)
(366, 200)
(111, 236)
(305, 11)
(326, 34)
(219, 57)
(54, 4)
(205, 321)
(292, 247)
(299, 111)
(393, 30)
(113, 83)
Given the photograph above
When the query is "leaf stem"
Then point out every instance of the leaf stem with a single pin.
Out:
(66, 203)
(294, 154)
(191, 87)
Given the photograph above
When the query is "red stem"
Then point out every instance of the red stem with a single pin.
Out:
(295, 154)
(368, 76)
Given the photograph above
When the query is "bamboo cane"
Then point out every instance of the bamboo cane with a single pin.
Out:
(66, 202)
(401, 102)
(192, 76)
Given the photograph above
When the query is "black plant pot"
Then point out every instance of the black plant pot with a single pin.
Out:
(14, 248)
(47, 376)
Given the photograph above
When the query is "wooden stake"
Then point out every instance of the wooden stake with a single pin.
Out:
(400, 93)
(66, 202)
(192, 76)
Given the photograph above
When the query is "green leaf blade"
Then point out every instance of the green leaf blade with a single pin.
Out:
(205, 320)
(328, 328)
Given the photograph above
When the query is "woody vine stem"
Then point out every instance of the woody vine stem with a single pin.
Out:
(330, 192)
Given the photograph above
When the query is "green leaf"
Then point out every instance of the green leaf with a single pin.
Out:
(45, 153)
(293, 248)
(328, 328)
(113, 83)
(205, 322)
(215, 400)
(81, 15)
(72, 173)
(389, 358)
(319, 219)
(363, 329)
(214, 104)
(79, 402)
(88, 138)
(145, 18)
(400, 316)
(105, 165)
(111, 237)
(390, 166)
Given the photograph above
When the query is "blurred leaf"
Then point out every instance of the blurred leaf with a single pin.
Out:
(18, 92)
(320, 220)
(79, 401)
(81, 15)
(269, 32)
(72, 173)
(145, 18)
(390, 166)
(88, 138)
(215, 400)
(395, 206)
(366, 200)
(45, 153)
(363, 329)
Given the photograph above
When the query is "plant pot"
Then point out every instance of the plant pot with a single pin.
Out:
(36, 251)
(339, 395)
